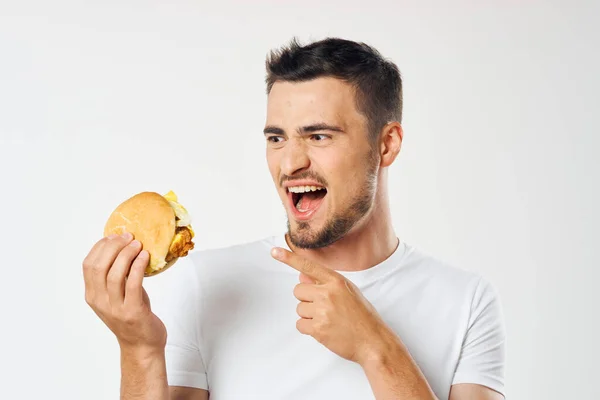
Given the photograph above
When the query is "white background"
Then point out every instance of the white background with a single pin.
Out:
(498, 173)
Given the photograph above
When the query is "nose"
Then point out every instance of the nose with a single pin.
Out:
(295, 157)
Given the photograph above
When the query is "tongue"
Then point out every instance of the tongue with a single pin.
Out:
(310, 200)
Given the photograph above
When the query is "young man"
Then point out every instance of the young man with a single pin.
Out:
(338, 307)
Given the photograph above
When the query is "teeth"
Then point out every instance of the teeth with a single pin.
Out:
(304, 189)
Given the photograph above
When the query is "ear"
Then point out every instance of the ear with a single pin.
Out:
(391, 142)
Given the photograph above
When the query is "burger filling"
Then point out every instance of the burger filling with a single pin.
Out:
(182, 241)
(181, 244)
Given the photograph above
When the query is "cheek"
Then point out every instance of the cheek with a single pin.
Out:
(331, 162)
(341, 166)
(345, 175)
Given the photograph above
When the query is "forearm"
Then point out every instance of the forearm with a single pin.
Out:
(393, 374)
(143, 375)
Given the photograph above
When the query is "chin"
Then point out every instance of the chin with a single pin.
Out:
(305, 235)
(304, 240)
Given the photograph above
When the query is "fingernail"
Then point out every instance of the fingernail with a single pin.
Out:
(276, 252)
(127, 236)
(114, 235)
(135, 244)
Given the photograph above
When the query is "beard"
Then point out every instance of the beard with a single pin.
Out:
(339, 224)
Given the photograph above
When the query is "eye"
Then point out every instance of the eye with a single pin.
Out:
(319, 137)
(274, 139)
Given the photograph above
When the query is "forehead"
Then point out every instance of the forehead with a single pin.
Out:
(320, 100)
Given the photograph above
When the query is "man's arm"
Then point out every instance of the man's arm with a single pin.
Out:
(144, 376)
(393, 373)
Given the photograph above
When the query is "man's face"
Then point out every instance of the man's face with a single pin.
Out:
(320, 159)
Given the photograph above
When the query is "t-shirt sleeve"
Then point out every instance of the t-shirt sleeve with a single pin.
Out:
(178, 307)
(482, 359)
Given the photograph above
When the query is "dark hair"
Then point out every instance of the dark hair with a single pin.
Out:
(377, 81)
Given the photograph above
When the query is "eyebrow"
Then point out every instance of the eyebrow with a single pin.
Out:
(304, 130)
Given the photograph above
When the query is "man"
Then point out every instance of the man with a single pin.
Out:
(338, 307)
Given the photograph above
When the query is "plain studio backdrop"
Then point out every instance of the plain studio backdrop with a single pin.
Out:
(498, 173)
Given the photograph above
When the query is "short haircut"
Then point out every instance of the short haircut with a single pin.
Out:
(377, 81)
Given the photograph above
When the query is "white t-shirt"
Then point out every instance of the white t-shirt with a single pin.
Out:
(231, 321)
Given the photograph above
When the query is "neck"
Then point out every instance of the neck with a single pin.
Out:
(369, 243)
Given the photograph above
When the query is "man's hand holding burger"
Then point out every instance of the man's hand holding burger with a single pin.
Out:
(334, 311)
(113, 273)
(143, 237)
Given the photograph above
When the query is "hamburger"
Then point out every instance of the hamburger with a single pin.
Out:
(159, 222)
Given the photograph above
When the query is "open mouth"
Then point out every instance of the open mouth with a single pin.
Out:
(306, 199)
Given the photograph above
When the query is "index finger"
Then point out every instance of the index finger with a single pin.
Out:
(313, 270)
(91, 259)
